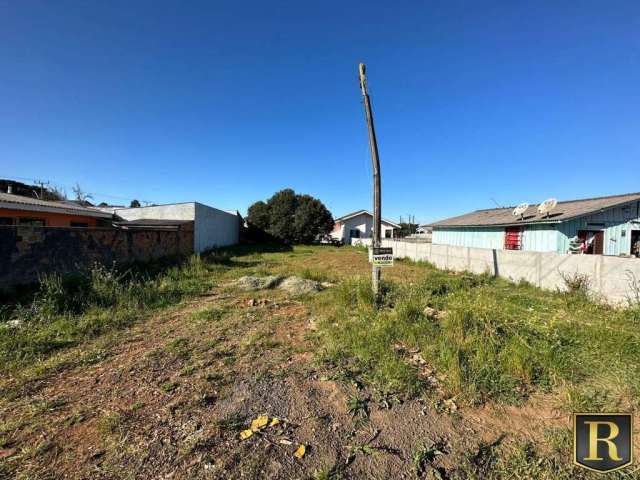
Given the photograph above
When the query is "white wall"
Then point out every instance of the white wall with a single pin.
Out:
(610, 277)
(214, 228)
(174, 211)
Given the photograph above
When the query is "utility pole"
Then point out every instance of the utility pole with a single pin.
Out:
(375, 163)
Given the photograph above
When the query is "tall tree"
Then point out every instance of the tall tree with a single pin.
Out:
(290, 217)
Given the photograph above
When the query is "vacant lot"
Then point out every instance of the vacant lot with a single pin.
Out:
(160, 372)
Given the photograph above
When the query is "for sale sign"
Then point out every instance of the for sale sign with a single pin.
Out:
(382, 257)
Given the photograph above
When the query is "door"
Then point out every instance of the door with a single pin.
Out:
(598, 243)
(635, 243)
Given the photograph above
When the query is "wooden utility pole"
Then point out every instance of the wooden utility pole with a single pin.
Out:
(375, 163)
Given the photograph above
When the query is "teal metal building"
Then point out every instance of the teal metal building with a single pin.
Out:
(605, 225)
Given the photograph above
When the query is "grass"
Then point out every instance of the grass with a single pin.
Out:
(67, 310)
(495, 340)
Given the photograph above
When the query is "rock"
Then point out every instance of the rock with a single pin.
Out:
(300, 286)
(435, 314)
(250, 283)
(430, 312)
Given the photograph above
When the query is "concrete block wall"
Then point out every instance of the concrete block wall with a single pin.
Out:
(610, 277)
(28, 252)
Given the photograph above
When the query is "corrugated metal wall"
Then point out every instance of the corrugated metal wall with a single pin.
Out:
(480, 237)
(540, 238)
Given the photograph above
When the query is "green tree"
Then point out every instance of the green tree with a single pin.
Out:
(134, 204)
(259, 215)
(291, 217)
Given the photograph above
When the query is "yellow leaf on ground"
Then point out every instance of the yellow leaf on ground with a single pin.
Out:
(259, 422)
(274, 421)
(299, 453)
(244, 434)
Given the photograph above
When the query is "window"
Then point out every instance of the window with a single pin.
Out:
(6, 221)
(513, 238)
(80, 224)
(34, 222)
(354, 233)
(387, 233)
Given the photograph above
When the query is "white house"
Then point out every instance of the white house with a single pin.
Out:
(360, 225)
(211, 227)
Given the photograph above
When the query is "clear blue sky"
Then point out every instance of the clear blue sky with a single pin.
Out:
(226, 102)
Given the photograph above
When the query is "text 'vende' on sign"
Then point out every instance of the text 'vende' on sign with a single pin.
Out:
(382, 257)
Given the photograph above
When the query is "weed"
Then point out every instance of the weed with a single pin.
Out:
(424, 456)
(180, 347)
(168, 387)
(577, 282)
(234, 423)
(210, 314)
(358, 407)
(110, 424)
(137, 406)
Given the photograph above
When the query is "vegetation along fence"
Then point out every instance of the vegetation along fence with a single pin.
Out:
(615, 279)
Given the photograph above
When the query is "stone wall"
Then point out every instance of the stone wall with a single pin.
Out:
(612, 278)
(27, 252)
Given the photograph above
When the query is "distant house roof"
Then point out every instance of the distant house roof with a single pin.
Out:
(564, 211)
(365, 212)
(153, 223)
(19, 202)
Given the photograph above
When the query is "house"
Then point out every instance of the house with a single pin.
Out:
(606, 225)
(360, 225)
(21, 210)
(211, 227)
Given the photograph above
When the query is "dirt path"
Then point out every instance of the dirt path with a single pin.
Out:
(170, 397)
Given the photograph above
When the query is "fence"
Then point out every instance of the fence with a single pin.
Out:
(616, 279)
(27, 252)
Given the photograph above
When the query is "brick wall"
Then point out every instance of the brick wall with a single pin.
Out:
(26, 252)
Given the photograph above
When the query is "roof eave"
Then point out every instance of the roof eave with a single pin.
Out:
(40, 208)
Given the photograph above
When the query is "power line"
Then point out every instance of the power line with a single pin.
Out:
(42, 183)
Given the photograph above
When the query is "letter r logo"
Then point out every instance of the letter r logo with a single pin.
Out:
(603, 442)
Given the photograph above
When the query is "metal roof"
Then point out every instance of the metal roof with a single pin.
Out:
(565, 210)
(365, 212)
(19, 202)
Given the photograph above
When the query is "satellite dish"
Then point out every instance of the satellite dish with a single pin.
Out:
(545, 207)
(520, 209)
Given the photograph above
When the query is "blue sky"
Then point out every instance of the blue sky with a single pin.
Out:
(226, 102)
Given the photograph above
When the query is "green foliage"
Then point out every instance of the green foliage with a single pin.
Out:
(291, 217)
(489, 339)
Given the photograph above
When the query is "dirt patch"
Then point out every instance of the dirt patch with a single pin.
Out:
(292, 285)
(300, 286)
(250, 283)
